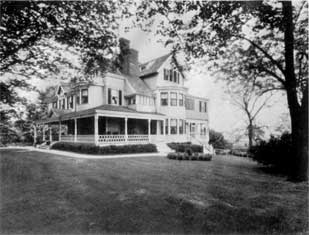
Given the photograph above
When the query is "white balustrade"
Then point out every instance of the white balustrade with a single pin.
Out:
(67, 138)
(85, 138)
(138, 138)
(107, 139)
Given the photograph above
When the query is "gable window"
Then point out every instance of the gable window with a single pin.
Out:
(175, 76)
(180, 99)
(164, 98)
(84, 96)
(166, 74)
(178, 78)
(201, 104)
(173, 125)
(173, 99)
(171, 75)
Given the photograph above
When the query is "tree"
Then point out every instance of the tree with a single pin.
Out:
(263, 41)
(218, 141)
(251, 102)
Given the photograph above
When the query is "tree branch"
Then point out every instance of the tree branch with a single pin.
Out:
(264, 52)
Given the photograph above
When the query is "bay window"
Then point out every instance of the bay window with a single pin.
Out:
(173, 99)
(180, 99)
(181, 126)
(173, 126)
(164, 98)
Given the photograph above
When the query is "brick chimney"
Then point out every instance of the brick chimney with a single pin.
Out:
(128, 58)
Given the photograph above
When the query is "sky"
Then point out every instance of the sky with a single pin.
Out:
(223, 115)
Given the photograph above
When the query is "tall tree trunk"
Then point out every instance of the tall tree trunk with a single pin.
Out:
(250, 134)
(298, 113)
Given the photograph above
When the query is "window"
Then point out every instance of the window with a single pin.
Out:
(173, 99)
(171, 75)
(205, 107)
(84, 96)
(175, 76)
(71, 102)
(164, 99)
(55, 104)
(166, 74)
(180, 99)
(63, 104)
(166, 126)
(181, 126)
(77, 98)
(173, 125)
(189, 104)
(114, 96)
(178, 78)
(200, 106)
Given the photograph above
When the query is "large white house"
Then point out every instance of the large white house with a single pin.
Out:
(141, 103)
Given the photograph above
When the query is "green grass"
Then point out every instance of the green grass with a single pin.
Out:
(43, 193)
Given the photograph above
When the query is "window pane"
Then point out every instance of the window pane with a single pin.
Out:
(84, 96)
(164, 98)
(173, 125)
(173, 99)
(180, 99)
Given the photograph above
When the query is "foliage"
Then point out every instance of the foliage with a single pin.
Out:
(265, 42)
(193, 157)
(216, 139)
(186, 147)
(277, 152)
(112, 149)
(87, 26)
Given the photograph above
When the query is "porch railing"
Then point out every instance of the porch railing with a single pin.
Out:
(138, 138)
(106, 139)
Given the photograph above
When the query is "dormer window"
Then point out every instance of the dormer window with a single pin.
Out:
(114, 97)
(171, 75)
(84, 96)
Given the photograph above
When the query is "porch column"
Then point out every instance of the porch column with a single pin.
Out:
(50, 135)
(75, 130)
(149, 120)
(96, 129)
(164, 127)
(59, 131)
(126, 129)
(43, 132)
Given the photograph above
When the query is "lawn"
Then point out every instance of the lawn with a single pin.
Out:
(43, 193)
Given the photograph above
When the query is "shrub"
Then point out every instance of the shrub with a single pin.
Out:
(277, 152)
(112, 149)
(183, 147)
(185, 156)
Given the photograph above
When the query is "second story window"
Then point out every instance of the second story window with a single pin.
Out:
(77, 98)
(181, 126)
(70, 102)
(180, 99)
(173, 99)
(164, 98)
(84, 96)
(189, 104)
(203, 107)
(114, 97)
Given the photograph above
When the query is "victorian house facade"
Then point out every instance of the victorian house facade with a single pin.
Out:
(141, 103)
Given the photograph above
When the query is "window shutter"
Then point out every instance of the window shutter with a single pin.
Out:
(120, 97)
(109, 94)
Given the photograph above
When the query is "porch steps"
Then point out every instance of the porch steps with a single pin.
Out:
(163, 148)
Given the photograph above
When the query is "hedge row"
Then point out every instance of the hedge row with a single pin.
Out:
(193, 157)
(185, 147)
(112, 149)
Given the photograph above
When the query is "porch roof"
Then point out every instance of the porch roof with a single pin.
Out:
(102, 109)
